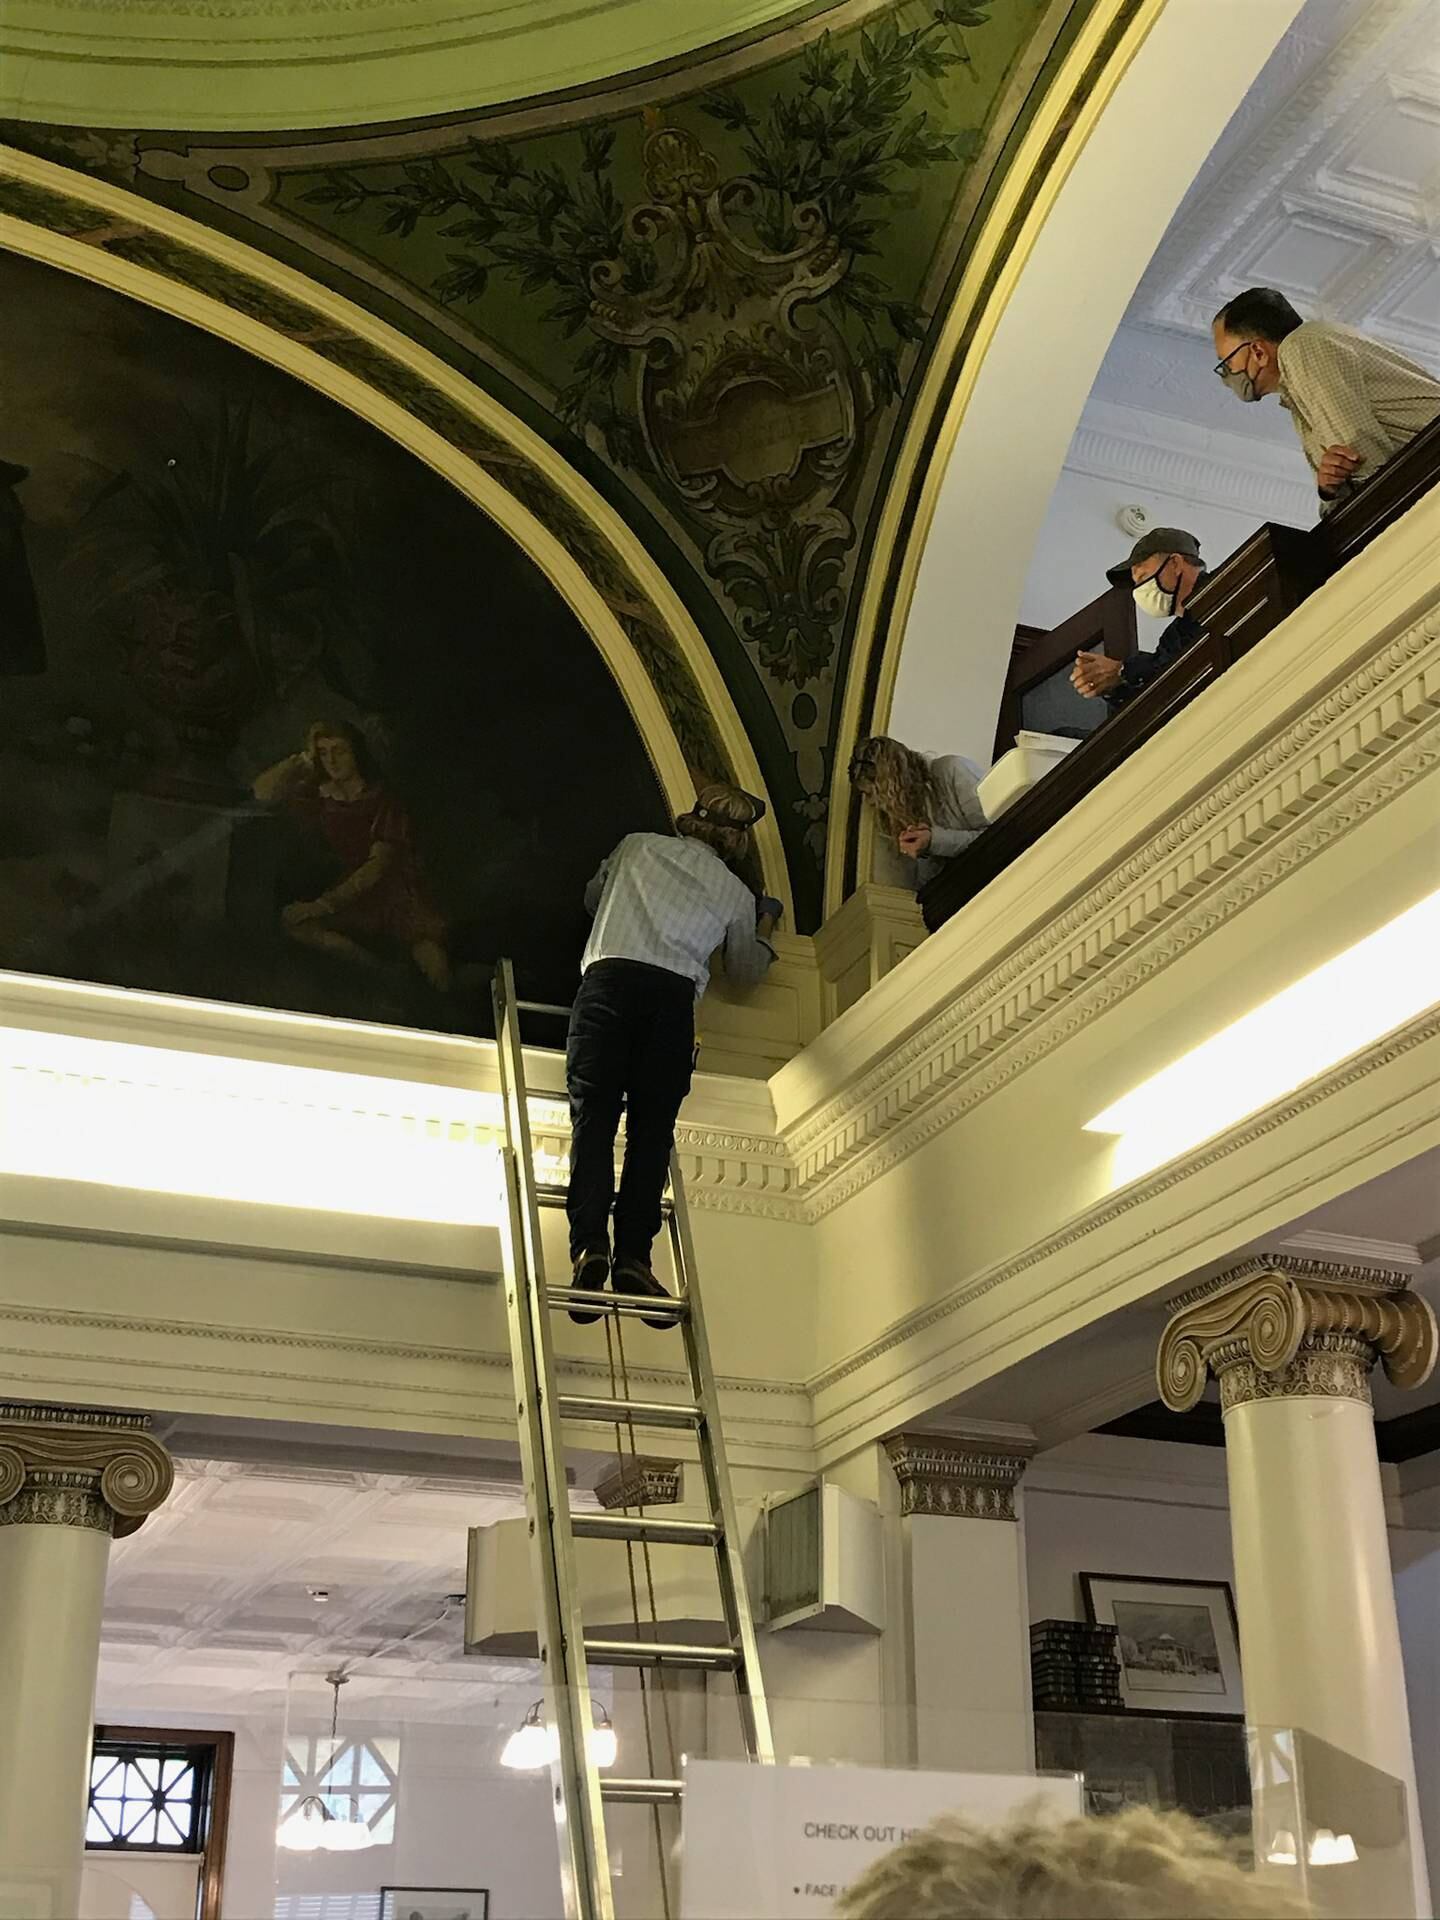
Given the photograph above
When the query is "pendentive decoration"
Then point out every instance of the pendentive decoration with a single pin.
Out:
(956, 1479)
(73, 1467)
(1278, 1327)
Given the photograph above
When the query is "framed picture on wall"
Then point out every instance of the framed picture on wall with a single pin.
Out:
(434, 1903)
(1179, 1643)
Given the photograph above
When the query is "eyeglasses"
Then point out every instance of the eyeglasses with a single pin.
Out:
(1222, 367)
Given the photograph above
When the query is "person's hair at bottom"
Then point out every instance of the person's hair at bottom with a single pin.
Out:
(1138, 1865)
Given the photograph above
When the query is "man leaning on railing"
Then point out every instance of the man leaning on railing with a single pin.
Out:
(1355, 403)
(1166, 569)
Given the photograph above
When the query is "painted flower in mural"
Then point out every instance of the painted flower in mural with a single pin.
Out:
(735, 347)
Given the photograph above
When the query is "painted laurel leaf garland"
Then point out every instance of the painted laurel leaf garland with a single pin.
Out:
(734, 347)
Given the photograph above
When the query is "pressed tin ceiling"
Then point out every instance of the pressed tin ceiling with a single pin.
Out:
(713, 288)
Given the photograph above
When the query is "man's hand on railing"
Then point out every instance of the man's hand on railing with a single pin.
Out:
(1337, 465)
(1095, 673)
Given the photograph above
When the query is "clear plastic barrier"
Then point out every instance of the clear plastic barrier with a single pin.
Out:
(1331, 1826)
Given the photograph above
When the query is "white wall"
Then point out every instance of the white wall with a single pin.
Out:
(1080, 539)
(1415, 1553)
(1070, 1534)
(460, 1822)
(121, 1886)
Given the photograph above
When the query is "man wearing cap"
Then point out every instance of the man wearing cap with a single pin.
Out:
(1166, 569)
(662, 904)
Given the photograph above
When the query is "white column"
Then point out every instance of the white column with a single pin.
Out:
(69, 1481)
(967, 1612)
(1292, 1343)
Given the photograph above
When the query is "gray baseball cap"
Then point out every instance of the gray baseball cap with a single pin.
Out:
(1158, 540)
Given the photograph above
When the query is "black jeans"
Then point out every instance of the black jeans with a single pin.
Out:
(632, 1039)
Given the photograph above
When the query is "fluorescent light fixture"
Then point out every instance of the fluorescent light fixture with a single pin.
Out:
(1356, 998)
(165, 1120)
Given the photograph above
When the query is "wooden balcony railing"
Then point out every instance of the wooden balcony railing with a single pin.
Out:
(1244, 599)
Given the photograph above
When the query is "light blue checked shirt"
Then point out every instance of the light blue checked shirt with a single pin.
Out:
(670, 902)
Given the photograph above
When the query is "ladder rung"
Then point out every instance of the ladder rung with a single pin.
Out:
(640, 1792)
(630, 1305)
(624, 1526)
(548, 1194)
(643, 1413)
(661, 1653)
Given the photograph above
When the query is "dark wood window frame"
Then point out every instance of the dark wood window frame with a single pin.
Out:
(214, 1818)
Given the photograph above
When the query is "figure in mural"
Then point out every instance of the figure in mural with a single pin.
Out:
(379, 900)
(22, 640)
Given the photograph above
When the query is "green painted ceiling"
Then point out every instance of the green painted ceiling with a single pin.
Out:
(715, 287)
(330, 63)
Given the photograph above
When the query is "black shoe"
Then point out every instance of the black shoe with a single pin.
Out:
(634, 1276)
(591, 1271)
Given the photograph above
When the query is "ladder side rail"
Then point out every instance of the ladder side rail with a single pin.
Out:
(729, 1560)
(576, 1781)
(544, 1573)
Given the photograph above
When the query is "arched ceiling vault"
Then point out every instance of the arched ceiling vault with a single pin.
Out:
(698, 323)
(335, 63)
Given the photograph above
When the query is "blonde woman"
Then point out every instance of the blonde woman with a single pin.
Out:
(926, 809)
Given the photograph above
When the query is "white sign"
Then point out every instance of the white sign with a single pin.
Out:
(766, 1843)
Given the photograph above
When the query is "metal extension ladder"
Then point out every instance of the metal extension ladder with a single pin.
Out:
(566, 1652)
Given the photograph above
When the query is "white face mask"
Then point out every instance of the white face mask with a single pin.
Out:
(1152, 598)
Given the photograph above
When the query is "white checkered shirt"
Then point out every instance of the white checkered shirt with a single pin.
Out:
(671, 902)
(1345, 390)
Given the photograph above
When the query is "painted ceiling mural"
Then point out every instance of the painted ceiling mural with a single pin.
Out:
(713, 288)
(261, 736)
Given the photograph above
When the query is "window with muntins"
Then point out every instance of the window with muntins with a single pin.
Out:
(148, 1796)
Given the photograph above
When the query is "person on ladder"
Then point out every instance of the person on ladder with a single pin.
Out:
(663, 904)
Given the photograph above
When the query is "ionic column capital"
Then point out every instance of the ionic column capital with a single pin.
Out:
(958, 1479)
(74, 1467)
(1277, 1327)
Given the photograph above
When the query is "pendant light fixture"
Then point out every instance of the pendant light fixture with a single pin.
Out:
(310, 1824)
(533, 1745)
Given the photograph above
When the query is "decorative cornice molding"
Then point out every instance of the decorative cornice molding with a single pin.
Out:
(1359, 745)
(1185, 463)
(1394, 1046)
(953, 1479)
(641, 1482)
(1354, 1248)
(67, 1466)
(1279, 1328)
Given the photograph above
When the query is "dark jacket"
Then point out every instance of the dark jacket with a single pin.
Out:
(1142, 668)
